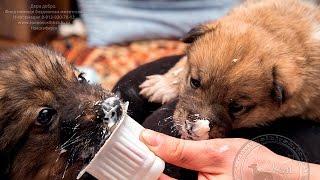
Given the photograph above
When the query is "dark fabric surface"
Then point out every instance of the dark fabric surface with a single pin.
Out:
(304, 133)
(128, 87)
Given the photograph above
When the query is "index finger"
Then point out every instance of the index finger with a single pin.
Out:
(195, 155)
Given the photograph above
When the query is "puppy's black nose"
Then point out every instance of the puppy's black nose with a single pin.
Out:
(112, 110)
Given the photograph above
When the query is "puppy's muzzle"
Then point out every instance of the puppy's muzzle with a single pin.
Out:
(110, 111)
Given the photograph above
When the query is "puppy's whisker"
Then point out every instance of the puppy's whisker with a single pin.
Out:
(78, 117)
(71, 141)
(65, 170)
(76, 126)
(168, 118)
(163, 108)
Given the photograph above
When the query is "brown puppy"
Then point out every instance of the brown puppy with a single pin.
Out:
(52, 121)
(259, 63)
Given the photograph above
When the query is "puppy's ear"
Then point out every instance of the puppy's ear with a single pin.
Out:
(198, 31)
(278, 93)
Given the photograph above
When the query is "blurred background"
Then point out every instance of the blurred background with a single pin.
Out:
(106, 38)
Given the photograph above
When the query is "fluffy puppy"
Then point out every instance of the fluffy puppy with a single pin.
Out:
(258, 63)
(52, 121)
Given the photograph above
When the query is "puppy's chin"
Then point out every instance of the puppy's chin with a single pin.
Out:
(196, 127)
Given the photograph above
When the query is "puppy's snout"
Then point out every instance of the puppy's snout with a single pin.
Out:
(112, 111)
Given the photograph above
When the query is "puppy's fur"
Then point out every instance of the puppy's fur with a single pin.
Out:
(258, 63)
(51, 118)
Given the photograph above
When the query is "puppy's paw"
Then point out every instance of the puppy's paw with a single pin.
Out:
(160, 88)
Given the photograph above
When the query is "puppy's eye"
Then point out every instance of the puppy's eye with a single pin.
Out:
(236, 108)
(195, 83)
(81, 78)
(45, 116)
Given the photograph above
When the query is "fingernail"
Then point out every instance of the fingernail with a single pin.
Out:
(149, 137)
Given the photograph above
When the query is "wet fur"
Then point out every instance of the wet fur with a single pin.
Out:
(32, 78)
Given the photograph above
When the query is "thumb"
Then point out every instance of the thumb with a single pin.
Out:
(195, 155)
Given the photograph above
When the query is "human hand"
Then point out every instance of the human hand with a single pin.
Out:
(214, 159)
